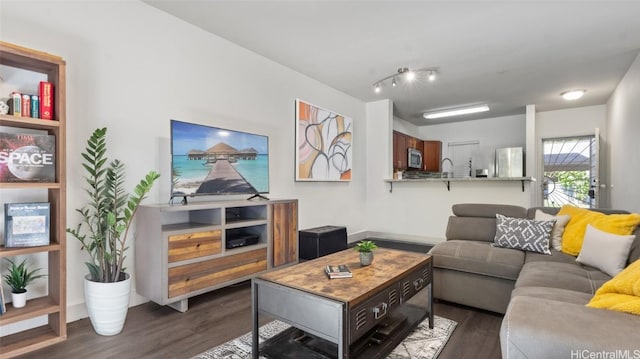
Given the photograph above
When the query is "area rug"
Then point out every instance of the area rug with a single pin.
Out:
(422, 343)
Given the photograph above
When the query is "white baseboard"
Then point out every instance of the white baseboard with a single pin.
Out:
(406, 238)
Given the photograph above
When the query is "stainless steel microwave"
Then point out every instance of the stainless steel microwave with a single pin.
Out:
(414, 159)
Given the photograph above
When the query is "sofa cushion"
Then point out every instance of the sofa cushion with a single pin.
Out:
(520, 233)
(477, 221)
(488, 210)
(622, 293)
(605, 251)
(556, 256)
(543, 328)
(471, 228)
(478, 257)
(561, 275)
(559, 294)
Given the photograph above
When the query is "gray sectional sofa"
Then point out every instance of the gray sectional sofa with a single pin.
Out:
(542, 296)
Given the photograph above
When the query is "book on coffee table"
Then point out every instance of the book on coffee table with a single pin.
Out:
(339, 271)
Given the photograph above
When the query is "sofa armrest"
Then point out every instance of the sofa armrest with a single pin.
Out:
(543, 328)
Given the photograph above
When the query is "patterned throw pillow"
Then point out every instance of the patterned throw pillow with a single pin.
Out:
(526, 234)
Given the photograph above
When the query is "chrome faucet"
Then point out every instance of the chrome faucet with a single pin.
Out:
(442, 167)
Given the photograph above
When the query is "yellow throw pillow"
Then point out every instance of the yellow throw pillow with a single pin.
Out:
(622, 224)
(621, 293)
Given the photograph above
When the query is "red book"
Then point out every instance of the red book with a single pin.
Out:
(46, 100)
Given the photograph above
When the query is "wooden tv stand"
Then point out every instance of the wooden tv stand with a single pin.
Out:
(181, 250)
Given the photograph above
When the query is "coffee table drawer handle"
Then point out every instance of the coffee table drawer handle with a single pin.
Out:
(380, 311)
(417, 284)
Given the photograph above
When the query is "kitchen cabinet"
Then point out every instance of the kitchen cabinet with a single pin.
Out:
(399, 150)
(431, 156)
(401, 145)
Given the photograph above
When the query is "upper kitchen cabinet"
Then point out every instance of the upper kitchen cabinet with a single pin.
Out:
(431, 156)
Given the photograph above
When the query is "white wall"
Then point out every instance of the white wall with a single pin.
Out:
(491, 133)
(131, 68)
(623, 120)
(579, 121)
(406, 127)
(497, 132)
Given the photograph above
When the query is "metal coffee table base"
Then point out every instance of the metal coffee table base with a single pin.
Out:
(322, 317)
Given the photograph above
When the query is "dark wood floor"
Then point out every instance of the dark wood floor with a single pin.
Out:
(153, 331)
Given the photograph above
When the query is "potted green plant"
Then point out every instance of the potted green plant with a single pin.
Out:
(107, 218)
(18, 278)
(366, 251)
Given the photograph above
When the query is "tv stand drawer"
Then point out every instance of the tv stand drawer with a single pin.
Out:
(192, 277)
(194, 245)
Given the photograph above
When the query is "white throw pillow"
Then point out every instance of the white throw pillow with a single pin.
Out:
(605, 251)
(558, 228)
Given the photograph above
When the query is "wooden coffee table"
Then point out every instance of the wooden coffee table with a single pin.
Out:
(364, 316)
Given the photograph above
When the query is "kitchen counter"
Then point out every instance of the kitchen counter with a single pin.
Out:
(448, 181)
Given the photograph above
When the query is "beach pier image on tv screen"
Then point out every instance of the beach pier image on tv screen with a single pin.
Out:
(208, 160)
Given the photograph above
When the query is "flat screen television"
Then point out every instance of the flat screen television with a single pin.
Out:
(208, 160)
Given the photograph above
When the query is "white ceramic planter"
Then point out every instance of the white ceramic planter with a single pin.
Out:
(107, 304)
(19, 300)
(366, 258)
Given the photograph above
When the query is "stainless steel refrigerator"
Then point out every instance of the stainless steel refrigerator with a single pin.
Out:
(509, 162)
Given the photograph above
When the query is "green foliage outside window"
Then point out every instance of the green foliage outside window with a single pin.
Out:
(578, 181)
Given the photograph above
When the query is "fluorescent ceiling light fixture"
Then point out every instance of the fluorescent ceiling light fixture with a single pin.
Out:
(455, 112)
(572, 94)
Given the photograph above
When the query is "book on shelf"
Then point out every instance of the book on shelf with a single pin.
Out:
(26, 106)
(46, 100)
(26, 224)
(337, 271)
(15, 104)
(35, 106)
(27, 157)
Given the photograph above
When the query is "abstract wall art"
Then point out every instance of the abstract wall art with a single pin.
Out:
(324, 144)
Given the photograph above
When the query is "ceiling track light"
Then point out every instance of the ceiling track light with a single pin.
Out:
(455, 112)
(409, 75)
(432, 76)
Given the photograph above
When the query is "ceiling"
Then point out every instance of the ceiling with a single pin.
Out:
(505, 54)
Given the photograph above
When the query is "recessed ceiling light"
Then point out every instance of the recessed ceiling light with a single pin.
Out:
(455, 112)
(573, 94)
